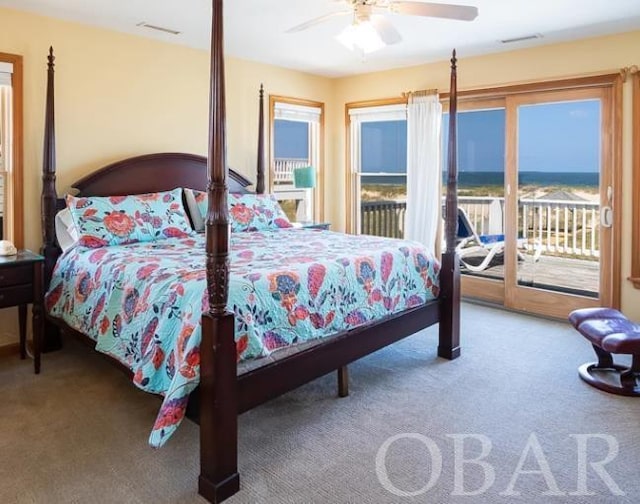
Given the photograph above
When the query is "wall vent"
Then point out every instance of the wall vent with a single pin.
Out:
(158, 28)
(521, 39)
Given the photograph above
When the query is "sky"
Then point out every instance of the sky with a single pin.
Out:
(553, 137)
(291, 139)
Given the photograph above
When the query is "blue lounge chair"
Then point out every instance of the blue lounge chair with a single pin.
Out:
(488, 246)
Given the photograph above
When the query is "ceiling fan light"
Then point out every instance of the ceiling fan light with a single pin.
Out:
(361, 36)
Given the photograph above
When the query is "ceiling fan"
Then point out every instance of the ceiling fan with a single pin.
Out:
(371, 31)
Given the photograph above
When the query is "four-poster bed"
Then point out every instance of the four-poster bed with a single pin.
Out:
(225, 390)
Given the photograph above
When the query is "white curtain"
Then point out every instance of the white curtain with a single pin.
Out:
(424, 116)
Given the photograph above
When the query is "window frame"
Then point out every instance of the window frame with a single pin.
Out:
(15, 224)
(635, 187)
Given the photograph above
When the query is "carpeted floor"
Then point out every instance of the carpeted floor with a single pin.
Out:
(77, 433)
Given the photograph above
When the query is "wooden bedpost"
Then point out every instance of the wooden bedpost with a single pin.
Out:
(49, 197)
(449, 344)
(219, 477)
(260, 167)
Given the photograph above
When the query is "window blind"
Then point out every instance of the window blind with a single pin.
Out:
(299, 113)
(6, 69)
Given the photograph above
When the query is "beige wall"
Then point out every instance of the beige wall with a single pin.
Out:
(119, 95)
(546, 62)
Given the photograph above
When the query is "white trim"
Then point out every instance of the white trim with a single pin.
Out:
(301, 113)
(382, 113)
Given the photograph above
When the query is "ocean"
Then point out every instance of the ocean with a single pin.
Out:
(479, 179)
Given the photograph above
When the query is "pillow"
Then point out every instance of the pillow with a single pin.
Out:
(197, 204)
(256, 212)
(66, 231)
(118, 220)
(247, 211)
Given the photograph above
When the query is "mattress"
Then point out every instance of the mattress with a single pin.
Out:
(142, 303)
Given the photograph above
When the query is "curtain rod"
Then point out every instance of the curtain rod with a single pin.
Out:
(422, 92)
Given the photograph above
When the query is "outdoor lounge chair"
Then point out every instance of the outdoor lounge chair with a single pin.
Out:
(471, 244)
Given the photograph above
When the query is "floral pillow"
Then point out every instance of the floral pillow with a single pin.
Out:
(247, 211)
(118, 220)
(256, 212)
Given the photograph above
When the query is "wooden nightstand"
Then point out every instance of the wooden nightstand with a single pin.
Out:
(21, 284)
(312, 225)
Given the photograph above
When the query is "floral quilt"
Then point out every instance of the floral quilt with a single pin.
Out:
(142, 302)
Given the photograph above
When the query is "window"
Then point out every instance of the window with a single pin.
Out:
(378, 175)
(11, 148)
(296, 134)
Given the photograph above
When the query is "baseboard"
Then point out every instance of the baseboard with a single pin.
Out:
(10, 349)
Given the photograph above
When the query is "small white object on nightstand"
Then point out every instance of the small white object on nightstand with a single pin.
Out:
(7, 248)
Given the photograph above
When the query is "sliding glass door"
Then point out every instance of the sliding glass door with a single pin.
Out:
(557, 201)
(481, 182)
(536, 187)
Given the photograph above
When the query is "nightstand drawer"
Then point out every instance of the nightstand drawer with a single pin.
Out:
(16, 275)
(18, 295)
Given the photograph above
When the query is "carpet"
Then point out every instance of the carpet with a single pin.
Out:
(78, 432)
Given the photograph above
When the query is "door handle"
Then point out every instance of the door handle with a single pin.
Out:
(606, 217)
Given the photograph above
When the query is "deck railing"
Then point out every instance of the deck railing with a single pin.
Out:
(383, 218)
(561, 227)
(557, 227)
(283, 169)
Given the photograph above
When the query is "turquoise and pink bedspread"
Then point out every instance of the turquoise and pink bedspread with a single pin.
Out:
(142, 302)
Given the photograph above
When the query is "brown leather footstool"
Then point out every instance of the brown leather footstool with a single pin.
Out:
(610, 332)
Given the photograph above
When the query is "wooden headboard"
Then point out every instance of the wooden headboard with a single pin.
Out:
(153, 173)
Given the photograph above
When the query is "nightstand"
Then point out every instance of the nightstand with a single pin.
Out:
(20, 284)
(312, 225)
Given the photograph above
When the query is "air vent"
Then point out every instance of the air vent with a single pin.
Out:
(521, 39)
(158, 28)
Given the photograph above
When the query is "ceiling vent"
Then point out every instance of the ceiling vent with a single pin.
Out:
(158, 28)
(521, 39)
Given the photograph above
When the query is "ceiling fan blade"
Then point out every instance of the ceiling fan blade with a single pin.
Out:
(447, 11)
(385, 29)
(318, 20)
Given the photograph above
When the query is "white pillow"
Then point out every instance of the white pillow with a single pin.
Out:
(66, 231)
(194, 211)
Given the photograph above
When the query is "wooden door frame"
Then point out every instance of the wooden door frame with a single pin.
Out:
(16, 224)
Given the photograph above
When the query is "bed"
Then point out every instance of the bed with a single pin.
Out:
(226, 388)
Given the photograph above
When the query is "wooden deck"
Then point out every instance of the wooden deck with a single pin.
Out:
(563, 274)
